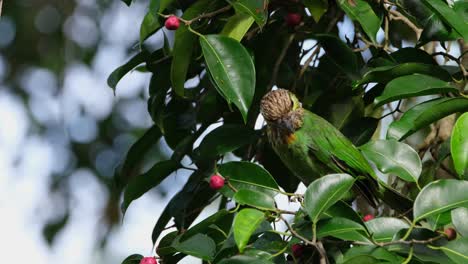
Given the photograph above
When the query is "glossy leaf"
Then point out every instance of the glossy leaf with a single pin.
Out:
(457, 250)
(413, 85)
(240, 259)
(145, 182)
(449, 16)
(205, 225)
(254, 198)
(379, 253)
(362, 12)
(362, 259)
(247, 175)
(237, 25)
(316, 8)
(459, 146)
(150, 22)
(200, 246)
(245, 223)
(254, 8)
(343, 210)
(459, 220)
(133, 259)
(339, 53)
(385, 74)
(391, 156)
(336, 226)
(383, 229)
(120, 72)
(425, 114)
(324, 192)
(225, 139)
(232, 70)
(440, 196)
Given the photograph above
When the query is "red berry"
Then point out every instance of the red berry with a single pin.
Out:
(216, 182)
(293, 19)
(148, 260)
(450, 233)
(368, 217)
(297, 250)
(172, 23)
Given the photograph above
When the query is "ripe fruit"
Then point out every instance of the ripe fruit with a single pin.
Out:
(450, 233)
(172, 23)
(368, 217)
(216, 182)
(148, 260)
(293, 19)
(297, 250)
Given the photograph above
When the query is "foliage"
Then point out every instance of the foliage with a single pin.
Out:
(233, 53)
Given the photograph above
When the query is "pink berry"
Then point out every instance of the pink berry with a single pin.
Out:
(297, 250)
(368, 217)
(172, 23)
(450, 233)
(293, 19)
(148, 260)
(216, 182)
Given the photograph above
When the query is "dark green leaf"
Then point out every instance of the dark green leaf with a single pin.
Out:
(459, 146)
(340, 54)
(258, 9)
(254, 198)
(324, 192)
(200, 246)
(53, 228)
(440, 196)
(385, 74)
(204, 226)
(383, 229)
(449, 16)
(160, 225)
(232, 69)
(247, 175)
(118, 73)
(457, 250)
(316, 8)
(225, 139)
(361, 131)
(179, 118)
(240, 259)
(127, 2)
(362, 12)
(145, 182)
(245, 223)
(424, 114)
(237, 25)
(379, 253)
(459, 217)
(362, 259)
(337, 226)
(150, 22)
(391, 156)
(133, 259)
(413, 85)
(342, 209)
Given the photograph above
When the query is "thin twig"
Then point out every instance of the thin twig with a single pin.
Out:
(401, 241)
(278, 62)
(205, 15)
(1, 4)
(395, 15)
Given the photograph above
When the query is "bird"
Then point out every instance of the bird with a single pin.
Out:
(312, 147)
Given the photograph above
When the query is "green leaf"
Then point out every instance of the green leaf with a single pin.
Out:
(232, 69)
(258, 9)
(362, 12)
(120, 72)
(200, 246)
(391, 156)
(225, 139)
(362, 259)
(240, 259)
(127, 2)
(145, 182)
(150, 22)
(316, 8)
(457, 250)
(247, 175)
(237, 25)
(336, 226)
(324, 192)
(440, 196)
(413, 85)
(254, 198)
(385, 74)
(245, 223)
(383, 229)
(342, 209)
(459, 146)
(449, 16)
(206, 224)
(459, 217)
(424, 114)
(133, 259)
(340, 54)
(379, 253)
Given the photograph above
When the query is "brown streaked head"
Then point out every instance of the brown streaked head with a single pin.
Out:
(276, 104)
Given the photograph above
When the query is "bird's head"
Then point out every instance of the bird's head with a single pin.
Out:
(281, 108)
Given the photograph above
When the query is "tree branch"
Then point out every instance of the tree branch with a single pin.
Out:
(205, 15)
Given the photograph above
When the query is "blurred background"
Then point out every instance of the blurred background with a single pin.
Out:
(63, 132)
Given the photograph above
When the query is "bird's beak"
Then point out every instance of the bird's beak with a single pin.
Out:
(286, 124)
